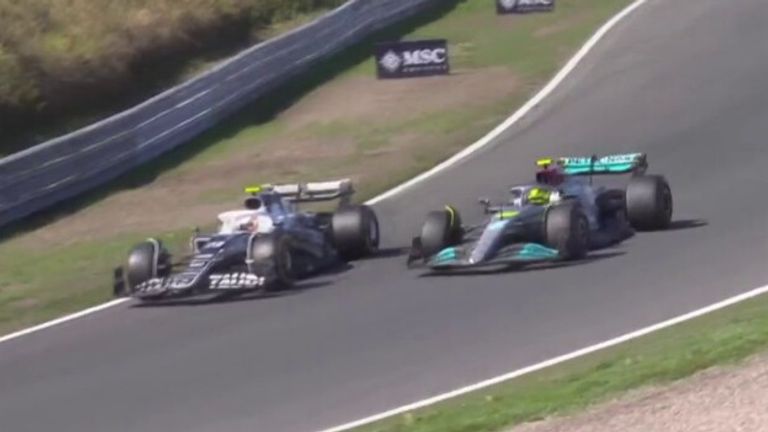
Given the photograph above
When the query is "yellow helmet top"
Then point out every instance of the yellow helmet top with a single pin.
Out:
(539, 196)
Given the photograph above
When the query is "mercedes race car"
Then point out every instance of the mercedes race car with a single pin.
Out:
(561, 216)
(266, 245)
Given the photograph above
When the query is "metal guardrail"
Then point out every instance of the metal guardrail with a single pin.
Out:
(41, 176)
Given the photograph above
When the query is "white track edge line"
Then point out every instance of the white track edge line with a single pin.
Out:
(62, 320)
(552, 362)
(484, 141)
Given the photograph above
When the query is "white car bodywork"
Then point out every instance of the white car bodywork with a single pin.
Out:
(234, 221)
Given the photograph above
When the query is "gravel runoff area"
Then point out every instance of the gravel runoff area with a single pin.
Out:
(723, 399)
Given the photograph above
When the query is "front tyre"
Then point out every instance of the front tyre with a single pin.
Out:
(147, 260)
(441, 229)
(355, 232)
(567, 230)
(649, 203)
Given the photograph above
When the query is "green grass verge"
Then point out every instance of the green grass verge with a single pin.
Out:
(38, 284)
(41, 279)
(723, 337)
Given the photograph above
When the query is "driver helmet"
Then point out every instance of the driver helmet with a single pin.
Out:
(539, 196)
(253, 203)
(536, 195)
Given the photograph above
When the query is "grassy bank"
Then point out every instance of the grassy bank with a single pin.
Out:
(723, 337)
(63, 63)
(338, 121)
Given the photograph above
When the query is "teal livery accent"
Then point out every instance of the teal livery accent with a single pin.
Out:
(607, 169)
(533, 251)
(614, 164)
(448, 254)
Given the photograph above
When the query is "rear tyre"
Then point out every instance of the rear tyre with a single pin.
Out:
(271, 254)
(567, 230)
(649, 203)
(441, 229)
(355, 232)
(147, 260)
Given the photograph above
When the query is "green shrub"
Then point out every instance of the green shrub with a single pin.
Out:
(80, 57)
(17, 90)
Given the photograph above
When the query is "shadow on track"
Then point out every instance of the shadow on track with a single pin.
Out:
(684, 224)
(392, 252)
(598, 256)
(224, 298)
(319, 280)
(312, 282)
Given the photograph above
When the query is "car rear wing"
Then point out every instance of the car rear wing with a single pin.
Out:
(635, 163)
(310, 192)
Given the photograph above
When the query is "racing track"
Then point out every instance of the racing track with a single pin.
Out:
(682, 81)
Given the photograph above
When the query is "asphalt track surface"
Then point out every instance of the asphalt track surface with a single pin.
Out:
(683, 81)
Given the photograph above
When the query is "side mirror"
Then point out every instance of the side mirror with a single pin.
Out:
(485, 202)
(193, 244)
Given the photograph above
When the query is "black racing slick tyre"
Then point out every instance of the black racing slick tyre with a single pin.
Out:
(355, 232)
(567, 230)
(441, 229)
(271, 254)
(147, 260)
(649, 203)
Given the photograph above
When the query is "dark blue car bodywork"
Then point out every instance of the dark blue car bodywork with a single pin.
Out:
(223, 262)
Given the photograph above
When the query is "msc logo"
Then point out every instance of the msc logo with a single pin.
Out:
(392, 62)
(523, 6)
(412, 58)
(425, 56)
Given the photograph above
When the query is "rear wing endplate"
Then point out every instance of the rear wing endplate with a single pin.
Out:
(635, 163)
(310, 192)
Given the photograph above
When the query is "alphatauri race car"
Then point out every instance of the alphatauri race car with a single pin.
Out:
(266, 245)
(561, 216)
